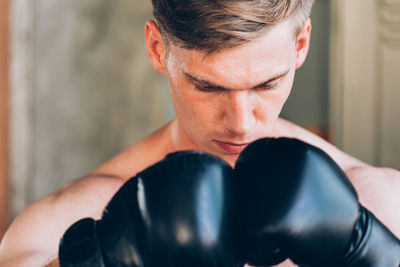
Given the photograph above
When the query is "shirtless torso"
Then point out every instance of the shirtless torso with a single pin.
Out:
(33, 238)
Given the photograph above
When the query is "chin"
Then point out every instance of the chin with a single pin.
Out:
(229, 158)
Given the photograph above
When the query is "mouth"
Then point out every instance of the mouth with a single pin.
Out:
(231, 148)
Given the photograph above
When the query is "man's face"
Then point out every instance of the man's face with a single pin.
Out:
(227, 99)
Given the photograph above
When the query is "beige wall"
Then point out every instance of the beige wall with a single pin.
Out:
(365, 80)
(83, 89)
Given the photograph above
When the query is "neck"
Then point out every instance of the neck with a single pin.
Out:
(180, 140)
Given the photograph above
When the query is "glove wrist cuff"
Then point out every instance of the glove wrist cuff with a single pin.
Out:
(375, 245)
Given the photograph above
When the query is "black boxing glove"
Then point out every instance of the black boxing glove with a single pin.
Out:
(176, 213)
(295, 202)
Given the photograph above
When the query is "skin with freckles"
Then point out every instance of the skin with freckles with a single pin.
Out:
(232, 96)
(222, 101)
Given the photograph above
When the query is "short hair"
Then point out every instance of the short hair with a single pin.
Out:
(213, 25)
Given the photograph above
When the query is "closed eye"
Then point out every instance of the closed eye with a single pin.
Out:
(266, 87)
(210, 89)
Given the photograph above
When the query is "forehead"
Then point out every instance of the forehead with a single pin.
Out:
(252, 62)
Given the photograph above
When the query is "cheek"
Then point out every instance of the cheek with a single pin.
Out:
(181, 102)
(286, 88)
(273, 102)
(281, 98)
(190, 106)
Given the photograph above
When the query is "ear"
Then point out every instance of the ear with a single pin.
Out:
(303, 43)
(155, 47)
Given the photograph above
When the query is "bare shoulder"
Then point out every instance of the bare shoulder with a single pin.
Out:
(378, 190)
(33, 237)
(288, 129)
(139, 156)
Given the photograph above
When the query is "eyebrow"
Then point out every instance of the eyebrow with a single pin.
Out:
(213, 85)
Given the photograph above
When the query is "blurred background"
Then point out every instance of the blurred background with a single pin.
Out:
(76, 87)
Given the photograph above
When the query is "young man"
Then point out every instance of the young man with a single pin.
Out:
(230, 66)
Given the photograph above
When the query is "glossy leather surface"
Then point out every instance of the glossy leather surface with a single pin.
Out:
(176, 213)
(297, 203)
(373, 245)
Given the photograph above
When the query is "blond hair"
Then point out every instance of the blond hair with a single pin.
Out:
(218, 24)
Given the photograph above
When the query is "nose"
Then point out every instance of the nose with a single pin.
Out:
(239, 113)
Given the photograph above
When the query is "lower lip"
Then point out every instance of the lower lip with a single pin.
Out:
(233, 149)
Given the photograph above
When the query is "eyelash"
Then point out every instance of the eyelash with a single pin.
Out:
(209, 89)
(268, 87)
